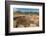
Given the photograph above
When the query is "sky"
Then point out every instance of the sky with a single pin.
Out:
(26, 9)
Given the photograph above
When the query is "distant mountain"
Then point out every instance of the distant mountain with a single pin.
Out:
(26, 12)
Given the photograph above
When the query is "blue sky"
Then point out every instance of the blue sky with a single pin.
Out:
(26, 9)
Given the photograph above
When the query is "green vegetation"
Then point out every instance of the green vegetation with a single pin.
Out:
(26, 13)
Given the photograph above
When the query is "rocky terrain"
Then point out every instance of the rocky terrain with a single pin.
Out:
(26, 21)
